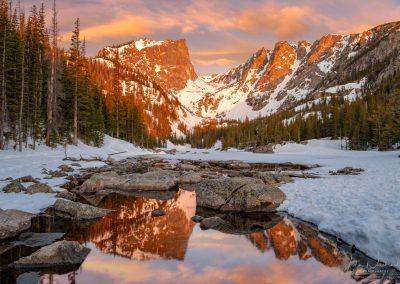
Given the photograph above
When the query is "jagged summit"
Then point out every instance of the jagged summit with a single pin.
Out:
(270, 80)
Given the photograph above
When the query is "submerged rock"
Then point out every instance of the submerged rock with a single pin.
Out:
(39, 188)
(57, 254)
(13, 222)
(212, 223)
(197, 219)
(30, 239)
(238, 194)
(78, 211)
(14, 187)
(158, 213)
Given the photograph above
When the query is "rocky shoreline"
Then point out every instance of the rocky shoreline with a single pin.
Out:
(221, 187)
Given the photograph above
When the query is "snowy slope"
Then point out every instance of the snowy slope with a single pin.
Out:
(29, 162)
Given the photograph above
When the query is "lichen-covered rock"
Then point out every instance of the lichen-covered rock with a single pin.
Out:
(39, 188)
(13, 222)
(240, 194)
(78, 211)
(14, 187)
(190, 177)
(57, 254)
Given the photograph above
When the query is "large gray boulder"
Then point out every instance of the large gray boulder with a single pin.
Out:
(13, 222)
(190, 177)
(62, 253)
(101, 181)
(39, 188)
(155, 180)
(239, 194)
(78, 211)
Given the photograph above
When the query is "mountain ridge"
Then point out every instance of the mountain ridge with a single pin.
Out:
(270, 80)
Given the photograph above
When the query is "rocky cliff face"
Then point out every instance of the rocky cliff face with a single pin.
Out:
(282, 78)
(288, 76)
(168, 62)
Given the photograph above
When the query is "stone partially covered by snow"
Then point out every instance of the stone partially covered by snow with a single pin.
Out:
(362, 209)
(30, 162)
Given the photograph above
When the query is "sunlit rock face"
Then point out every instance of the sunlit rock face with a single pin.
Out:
(132, 232)
(167, 62)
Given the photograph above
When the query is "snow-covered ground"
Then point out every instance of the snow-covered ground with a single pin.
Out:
(15, 164)
(362, 210)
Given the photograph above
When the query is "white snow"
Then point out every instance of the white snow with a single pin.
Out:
(29, 162)
(362, 210)
(145, 43)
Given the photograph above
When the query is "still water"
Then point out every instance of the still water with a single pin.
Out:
(131, 246)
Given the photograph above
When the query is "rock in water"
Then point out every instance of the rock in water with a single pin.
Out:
(30, 239)
(78, 211)
(39, 188)
(158, 213)
(156, 181)
(12, 222)
(14, 187)
(197, 219)
(239, 194)
(57, 254)
(212, 223)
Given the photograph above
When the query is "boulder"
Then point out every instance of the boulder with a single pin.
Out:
(12, 222)
(204, 165)
(101, 181)
(66, 168)
(240, 194)
(347, 171)
(197, 219)
(78, 211)
(14, 187)
(62, 253)
(274, 178)
(27, 179)
(39, 188)
(152, 181)
(66, 195)
(264, 149)
(359, 273)
(190, 177)
(212, 223)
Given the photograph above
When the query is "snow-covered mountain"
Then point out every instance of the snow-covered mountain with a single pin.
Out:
(288, 76)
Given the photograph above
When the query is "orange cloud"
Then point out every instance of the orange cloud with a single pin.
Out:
(282, 22)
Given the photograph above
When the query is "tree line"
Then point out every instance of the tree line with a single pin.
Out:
(370, 121)
(54, 95)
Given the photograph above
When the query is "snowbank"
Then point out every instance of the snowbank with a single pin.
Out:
(32, 162)
(362, 210)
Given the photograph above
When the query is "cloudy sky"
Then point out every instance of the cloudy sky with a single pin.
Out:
(219, 33)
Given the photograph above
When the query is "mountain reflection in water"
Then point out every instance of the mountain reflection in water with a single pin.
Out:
(131, 246)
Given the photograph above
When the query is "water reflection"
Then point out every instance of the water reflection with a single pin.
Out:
(132, 232)
(131, 246)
